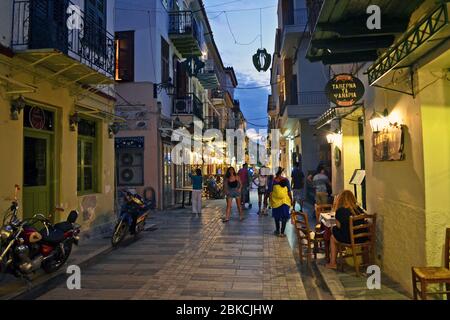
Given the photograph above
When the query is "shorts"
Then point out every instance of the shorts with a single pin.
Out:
(262, 190)
(321, 198)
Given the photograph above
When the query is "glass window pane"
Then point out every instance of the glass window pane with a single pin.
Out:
(35, 162)
(79, 179)
(88, 179)
(88, 153)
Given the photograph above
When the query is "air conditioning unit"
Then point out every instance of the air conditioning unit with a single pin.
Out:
(130, 170)
(181, 105)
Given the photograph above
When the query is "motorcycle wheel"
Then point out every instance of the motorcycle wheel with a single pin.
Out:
(53, 265)
(120, 231)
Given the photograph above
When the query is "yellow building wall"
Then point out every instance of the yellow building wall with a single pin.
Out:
(95, 209)
(395, 189)
(351, 159)
(436, 143)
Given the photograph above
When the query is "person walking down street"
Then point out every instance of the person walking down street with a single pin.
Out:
(298, 185)
(281, 201)
(233, 189)
(244, 176)
(197, 188)
(261, 183)
(321, 184)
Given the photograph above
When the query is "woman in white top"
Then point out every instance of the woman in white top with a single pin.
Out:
(261, 182)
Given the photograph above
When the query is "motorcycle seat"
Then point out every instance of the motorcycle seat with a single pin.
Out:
(64, 226)
(54, 236)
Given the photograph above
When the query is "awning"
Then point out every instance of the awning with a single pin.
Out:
(62, 65)
(16, 87)
(340, 33)
(431, 31)
(106, 115)
(337, 113)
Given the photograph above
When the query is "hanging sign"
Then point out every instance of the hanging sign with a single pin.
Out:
(345, 90)
(37, 118)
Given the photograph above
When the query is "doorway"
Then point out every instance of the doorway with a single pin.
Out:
(38, 162)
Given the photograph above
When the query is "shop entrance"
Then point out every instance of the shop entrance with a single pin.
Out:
(37, 162)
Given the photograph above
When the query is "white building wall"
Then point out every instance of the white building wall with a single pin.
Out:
(6, 7)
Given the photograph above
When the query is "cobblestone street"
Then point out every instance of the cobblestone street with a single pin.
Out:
(191, 257)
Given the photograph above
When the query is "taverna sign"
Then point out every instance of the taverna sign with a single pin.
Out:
(345, 90)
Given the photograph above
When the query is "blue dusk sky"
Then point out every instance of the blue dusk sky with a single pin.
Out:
(245, 28)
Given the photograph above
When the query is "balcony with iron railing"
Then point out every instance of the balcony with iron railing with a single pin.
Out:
(189, 105)
(294, 26)
(184, 33)
(306, 104)
(208, 76)
(41, 31)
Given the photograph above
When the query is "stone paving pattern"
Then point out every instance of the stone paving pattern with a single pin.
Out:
(191, 257)
(198, 257)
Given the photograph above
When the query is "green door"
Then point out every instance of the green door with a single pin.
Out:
(37, 173)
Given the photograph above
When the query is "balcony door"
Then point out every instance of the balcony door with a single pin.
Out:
(48, 25)
(95, 26)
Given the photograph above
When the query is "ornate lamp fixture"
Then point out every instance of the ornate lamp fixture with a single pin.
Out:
(379, 122)
(166, 86)
(17, 106)
(74, 119)
(113, 129)
(262, 60)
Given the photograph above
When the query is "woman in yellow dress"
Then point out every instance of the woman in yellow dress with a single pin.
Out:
(281, 202)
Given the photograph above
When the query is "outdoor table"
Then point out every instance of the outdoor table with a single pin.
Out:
(184, 190)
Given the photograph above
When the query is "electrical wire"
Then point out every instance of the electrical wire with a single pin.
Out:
(234, 37)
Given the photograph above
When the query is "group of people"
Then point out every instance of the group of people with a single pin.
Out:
(282, 195)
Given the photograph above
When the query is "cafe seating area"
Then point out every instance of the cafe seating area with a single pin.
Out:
(360, 250)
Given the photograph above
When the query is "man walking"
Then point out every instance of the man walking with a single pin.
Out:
(298, 185)
(243, 174)
(321, 183)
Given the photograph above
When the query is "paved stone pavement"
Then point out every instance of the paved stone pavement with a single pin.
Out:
(199, 257)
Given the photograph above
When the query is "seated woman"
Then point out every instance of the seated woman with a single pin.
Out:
(345, 206)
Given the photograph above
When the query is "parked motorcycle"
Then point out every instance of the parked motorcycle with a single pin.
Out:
(24, 249)
(133, 213)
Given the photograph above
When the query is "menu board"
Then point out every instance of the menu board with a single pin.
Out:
(358, 177)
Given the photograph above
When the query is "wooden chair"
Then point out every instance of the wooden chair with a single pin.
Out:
(361, 227)
(312, 241)
(320, 208)
(433, 275)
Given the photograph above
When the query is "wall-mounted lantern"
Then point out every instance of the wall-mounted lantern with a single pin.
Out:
(17, 105)
(74, 119)
(379, 122)
(166, 86)
(113, 129)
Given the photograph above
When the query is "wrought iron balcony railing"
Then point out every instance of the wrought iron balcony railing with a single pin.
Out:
(183, 23)
(43, 24)
(188, 105)
(312, 98)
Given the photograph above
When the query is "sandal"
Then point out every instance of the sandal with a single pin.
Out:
(225, 220)
(242, 219)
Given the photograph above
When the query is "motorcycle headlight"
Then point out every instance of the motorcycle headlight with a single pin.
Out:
(6, 232)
